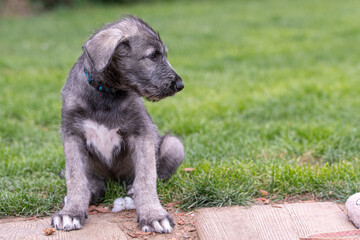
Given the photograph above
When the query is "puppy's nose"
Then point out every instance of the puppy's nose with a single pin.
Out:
(179, 85)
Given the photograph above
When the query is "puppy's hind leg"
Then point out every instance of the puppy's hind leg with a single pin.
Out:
(96, 187)
(171, 155)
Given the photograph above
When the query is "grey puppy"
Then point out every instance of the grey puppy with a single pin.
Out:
(107, 132)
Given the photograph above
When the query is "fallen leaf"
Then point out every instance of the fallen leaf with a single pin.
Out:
(263, 200)
(181, 222)
(93, 212)
(192, 230)
(32, 218)
(263, 192)
(189, 169)
(92, 208)
(189, 213)
(102, 210)
(128, 225)
(143, 233)
(131, 235)
(49, 231)
(171, 204)
(260, 199)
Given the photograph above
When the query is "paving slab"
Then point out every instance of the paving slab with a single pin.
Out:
(122, 225)
(100, 226)
(271, 222)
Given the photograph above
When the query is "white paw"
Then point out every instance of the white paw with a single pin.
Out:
(160, 227)
(56, 222)
(146, 228)
(166, 225)
(66, 223)
(129, 203)
(123, 204)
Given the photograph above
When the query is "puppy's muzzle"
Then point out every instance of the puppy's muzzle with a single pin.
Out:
(178, 84)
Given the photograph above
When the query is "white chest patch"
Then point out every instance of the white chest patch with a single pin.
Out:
(102, 138)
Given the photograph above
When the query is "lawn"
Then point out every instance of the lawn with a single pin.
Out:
(271, 100)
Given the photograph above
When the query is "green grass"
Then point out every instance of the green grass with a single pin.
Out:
(271, 99)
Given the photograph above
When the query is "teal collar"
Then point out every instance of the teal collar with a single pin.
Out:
(96, 84)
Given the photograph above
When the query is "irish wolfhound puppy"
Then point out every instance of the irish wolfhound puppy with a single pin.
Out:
(107, 132)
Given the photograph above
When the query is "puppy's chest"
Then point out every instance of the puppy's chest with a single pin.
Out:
(103, 140)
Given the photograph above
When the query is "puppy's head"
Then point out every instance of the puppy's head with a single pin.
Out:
(133, 57)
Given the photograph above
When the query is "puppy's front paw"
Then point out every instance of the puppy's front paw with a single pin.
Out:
(67, 222)
(156, 220)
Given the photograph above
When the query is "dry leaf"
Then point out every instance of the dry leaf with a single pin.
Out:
(102, 210)
(189, 169)
(93, 208)
(143, 233)
(49, 231)
(263, 192)
(131, 235)
(189, 213)
(181, 222)
(171, 204)
(263, 200)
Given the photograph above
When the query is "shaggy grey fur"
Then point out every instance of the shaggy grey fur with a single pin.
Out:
(109, 134)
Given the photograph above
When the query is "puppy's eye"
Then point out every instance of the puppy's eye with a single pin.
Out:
(154, 56)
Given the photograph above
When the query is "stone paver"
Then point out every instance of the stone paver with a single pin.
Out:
(99, 226)
(266, 222)
(259, 222)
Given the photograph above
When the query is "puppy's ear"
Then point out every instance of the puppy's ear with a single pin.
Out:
(101, 47)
